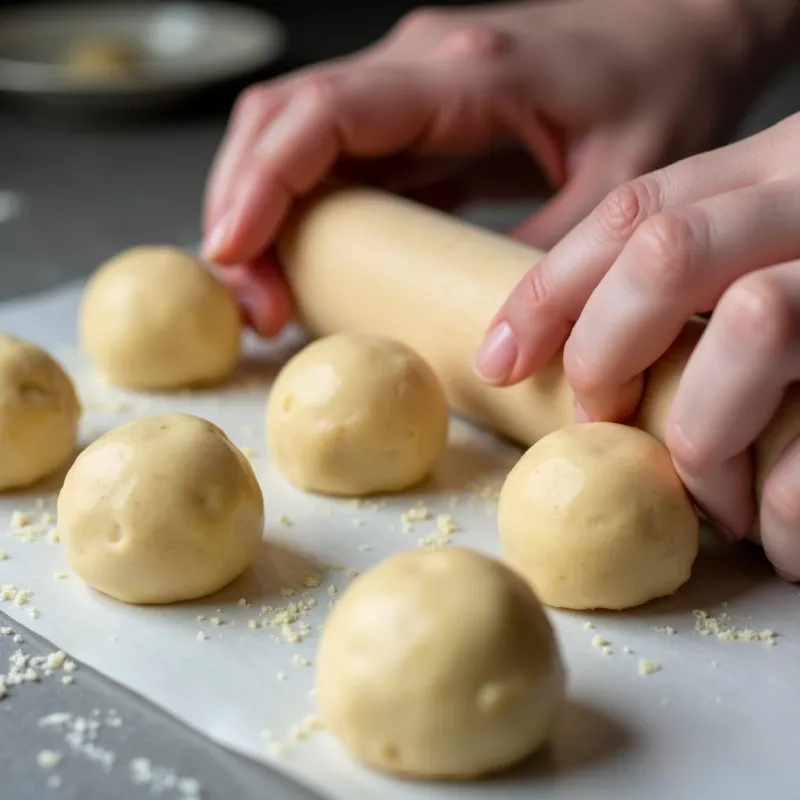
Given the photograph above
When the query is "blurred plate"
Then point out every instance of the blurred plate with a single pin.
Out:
(115, 55)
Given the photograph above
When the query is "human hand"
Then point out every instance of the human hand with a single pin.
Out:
(717, 231)
(597, 91)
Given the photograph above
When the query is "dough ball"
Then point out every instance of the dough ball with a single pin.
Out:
(440, 663)
(155, 318)
(39, 414)
(100, 58)
(355, 415)
(594, 516)
(160, 510)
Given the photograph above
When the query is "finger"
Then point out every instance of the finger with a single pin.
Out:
(780, 513)
(676, 264)
(540, 310)
(321, 121)
(254, 110)
(731, 388)
(262, 294)
(591, 181)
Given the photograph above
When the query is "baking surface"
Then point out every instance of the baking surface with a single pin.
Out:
(717, 719)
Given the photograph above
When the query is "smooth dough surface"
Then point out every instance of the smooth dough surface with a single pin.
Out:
(440, 663)
(159, 510)
(594, 516)
(354, 415)
(39, 414)
(155, 318)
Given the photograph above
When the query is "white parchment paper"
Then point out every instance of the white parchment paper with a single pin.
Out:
(720, 719)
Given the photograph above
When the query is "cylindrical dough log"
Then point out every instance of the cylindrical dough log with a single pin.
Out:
(363, 260)
(360, 260)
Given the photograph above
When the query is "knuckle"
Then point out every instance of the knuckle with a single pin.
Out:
(318, 89)
(584, 378)
(691, 458)
(420, 21)
(474, 42)
(625, 207)
(534, 293)
(665, 246)
(248, 101)
(759, 316)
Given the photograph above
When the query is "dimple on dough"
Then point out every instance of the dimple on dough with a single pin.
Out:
(39, 414)
(594, 516)
(440, 663)
(159, 510)
(354, 415)
(155, 318)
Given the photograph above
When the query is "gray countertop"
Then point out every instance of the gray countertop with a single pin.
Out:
(88, 193)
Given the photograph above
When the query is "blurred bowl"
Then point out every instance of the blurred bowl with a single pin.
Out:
(129, 57)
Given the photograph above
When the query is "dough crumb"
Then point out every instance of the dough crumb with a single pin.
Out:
(47, 759)
(419, 513)
(648, 666)
(3, 555)
(589, 626)
(667, 630)
(600, 641)
(286, 521)
(722, 629)
(277, 750)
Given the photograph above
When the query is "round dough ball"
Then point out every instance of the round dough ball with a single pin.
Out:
(440, 663)
(155, 318)
(101, 58)
(160, 510)
(594, 516)
(354, 415)
(39, 414)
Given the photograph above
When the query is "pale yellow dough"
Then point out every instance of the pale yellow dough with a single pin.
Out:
(101, 58)
(440, 663)
(160, 510)
(354, 415)
(39, 414)
(155, 318)
(594, 516)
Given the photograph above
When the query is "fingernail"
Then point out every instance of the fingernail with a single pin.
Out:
(580, 414)
(497, 355)
(217, 240)
(787, 576)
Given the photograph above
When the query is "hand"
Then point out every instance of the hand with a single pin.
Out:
(597, 91)
(717, 231)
